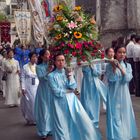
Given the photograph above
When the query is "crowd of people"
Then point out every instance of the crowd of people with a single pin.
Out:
(48, 97)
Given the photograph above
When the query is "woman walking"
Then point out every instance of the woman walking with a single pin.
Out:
(121, 123)
(43, 97)
(93, 89)
(12, 69)
(70, 120)
(29, 82)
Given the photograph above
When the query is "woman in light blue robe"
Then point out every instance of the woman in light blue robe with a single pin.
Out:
(93, 89)
(70, 120)
(121, 123)
(43, 107)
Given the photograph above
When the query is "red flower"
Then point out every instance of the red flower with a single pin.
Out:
(71, 46)
(92, 54)
(95, 51)
(74, 53)
(102, 55)
(78, 45)
(66, 51)
(86, 46)
(83, 58)
(62, 44)
(80, 52)
(79, 63)
(98, 46)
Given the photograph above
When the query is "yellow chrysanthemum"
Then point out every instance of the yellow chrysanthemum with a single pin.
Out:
(59, 18)
(77, 35)
(59, 36)
(77, 8)
(58, 8)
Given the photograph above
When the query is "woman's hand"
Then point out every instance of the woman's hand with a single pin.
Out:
(116, 64)
(18, 72)
(23, 92)
(69, 72)
(121, 69)
(76, 92)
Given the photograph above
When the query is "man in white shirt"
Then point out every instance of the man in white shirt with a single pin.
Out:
(136, 58)
(130, 47)
(129, 54)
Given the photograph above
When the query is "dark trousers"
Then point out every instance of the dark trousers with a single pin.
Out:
(137, 78)
(132, 84)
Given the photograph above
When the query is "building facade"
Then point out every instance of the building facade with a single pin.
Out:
(8, 10)
(115, 18)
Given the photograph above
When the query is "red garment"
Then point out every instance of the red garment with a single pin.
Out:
(46, 8)
(5, 31)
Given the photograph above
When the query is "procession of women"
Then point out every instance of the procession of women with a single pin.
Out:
(61, 89)
(48, 97)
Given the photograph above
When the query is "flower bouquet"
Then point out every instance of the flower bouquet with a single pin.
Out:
(74, 33)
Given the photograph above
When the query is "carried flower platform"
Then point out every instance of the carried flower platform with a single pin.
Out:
(74, 33)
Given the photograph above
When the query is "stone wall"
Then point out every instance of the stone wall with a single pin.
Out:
(115, 18)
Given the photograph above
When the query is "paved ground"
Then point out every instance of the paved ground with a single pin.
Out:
(12, 124)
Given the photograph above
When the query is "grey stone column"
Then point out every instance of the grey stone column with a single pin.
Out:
(137, 7)
(132, 14)
(98, 12)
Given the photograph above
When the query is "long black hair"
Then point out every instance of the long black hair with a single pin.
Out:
(41, 54)
(116, 50)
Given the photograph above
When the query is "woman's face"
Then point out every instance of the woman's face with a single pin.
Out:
(121, 54)
(60, 62)
(10, 54)
(46, 56)
(111, 53)
(34, 59)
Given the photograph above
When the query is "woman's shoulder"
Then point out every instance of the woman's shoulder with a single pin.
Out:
(52, 74)
(128, 65)
(26, 66)
(55, 75)
(39, 66)
(108, 65)
(15, 60)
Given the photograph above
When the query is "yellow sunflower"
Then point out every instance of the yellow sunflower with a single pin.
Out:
(58, 8)
(59, 36)
(77, 35)
(77, 8)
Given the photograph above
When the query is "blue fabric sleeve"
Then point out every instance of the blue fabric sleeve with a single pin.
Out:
(57, 91)
(96, 70)
(86, 70)
(111, 76)
(71, 84)
(128, 76)
(41, 74)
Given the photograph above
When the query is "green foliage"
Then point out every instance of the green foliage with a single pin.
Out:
(2, 16)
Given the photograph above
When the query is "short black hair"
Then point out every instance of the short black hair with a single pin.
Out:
(137, 38)
(107, 50)
(133, 36)
(31, 54)
(9, 50)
